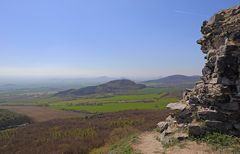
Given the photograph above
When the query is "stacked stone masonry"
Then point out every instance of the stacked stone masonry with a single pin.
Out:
(213, 105)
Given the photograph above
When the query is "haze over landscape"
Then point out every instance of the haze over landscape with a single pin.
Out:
(133, 39)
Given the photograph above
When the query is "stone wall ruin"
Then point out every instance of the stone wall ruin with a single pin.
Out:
(213, 105)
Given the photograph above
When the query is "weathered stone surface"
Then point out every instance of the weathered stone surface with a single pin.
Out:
(214, 102)
(170, 119)
(176, 106)
(164, 138)
(162, 126)
(230, 106)
(171, 130)
(218, 126)
(195, 131)
(184, 117)
(237, 126)
(211, 115)
(220, 87)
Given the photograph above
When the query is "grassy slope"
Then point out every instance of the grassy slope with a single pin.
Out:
(77, 135)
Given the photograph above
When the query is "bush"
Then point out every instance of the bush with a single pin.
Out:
(122, 122)
(10, 119)
(221, 142)
(6, 135)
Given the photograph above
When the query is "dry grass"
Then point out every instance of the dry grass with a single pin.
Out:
(78, 135)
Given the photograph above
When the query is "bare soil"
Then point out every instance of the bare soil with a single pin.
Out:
(148, 144)
(41, 114)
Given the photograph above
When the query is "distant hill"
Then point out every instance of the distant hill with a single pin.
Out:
(174, 80)
(112, 87)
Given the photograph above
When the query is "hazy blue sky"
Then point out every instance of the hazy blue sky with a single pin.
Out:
(130, 38)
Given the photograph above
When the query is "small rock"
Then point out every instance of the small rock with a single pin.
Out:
(176, 106)
(162, 126)
(206, 71)
(170, 119)
(171, 130)
(214, 80)
(162, 136)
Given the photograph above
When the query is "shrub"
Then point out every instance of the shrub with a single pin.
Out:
(6, 135)
(77, 133)
(127, 122)
(221, 141)
(10, 119)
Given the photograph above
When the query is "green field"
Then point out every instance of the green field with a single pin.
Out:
(151, 91)
(134, 97)
(114, 107)
(143, 99)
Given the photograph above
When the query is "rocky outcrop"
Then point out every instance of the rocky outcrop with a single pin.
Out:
(213, 105)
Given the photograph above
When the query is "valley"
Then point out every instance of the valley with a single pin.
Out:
(113, 96)
(96, 121)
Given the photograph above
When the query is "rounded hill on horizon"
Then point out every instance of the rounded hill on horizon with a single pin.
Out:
(112, 87)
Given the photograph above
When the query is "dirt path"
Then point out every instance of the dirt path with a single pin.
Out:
(148, 144)
(40, 114)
